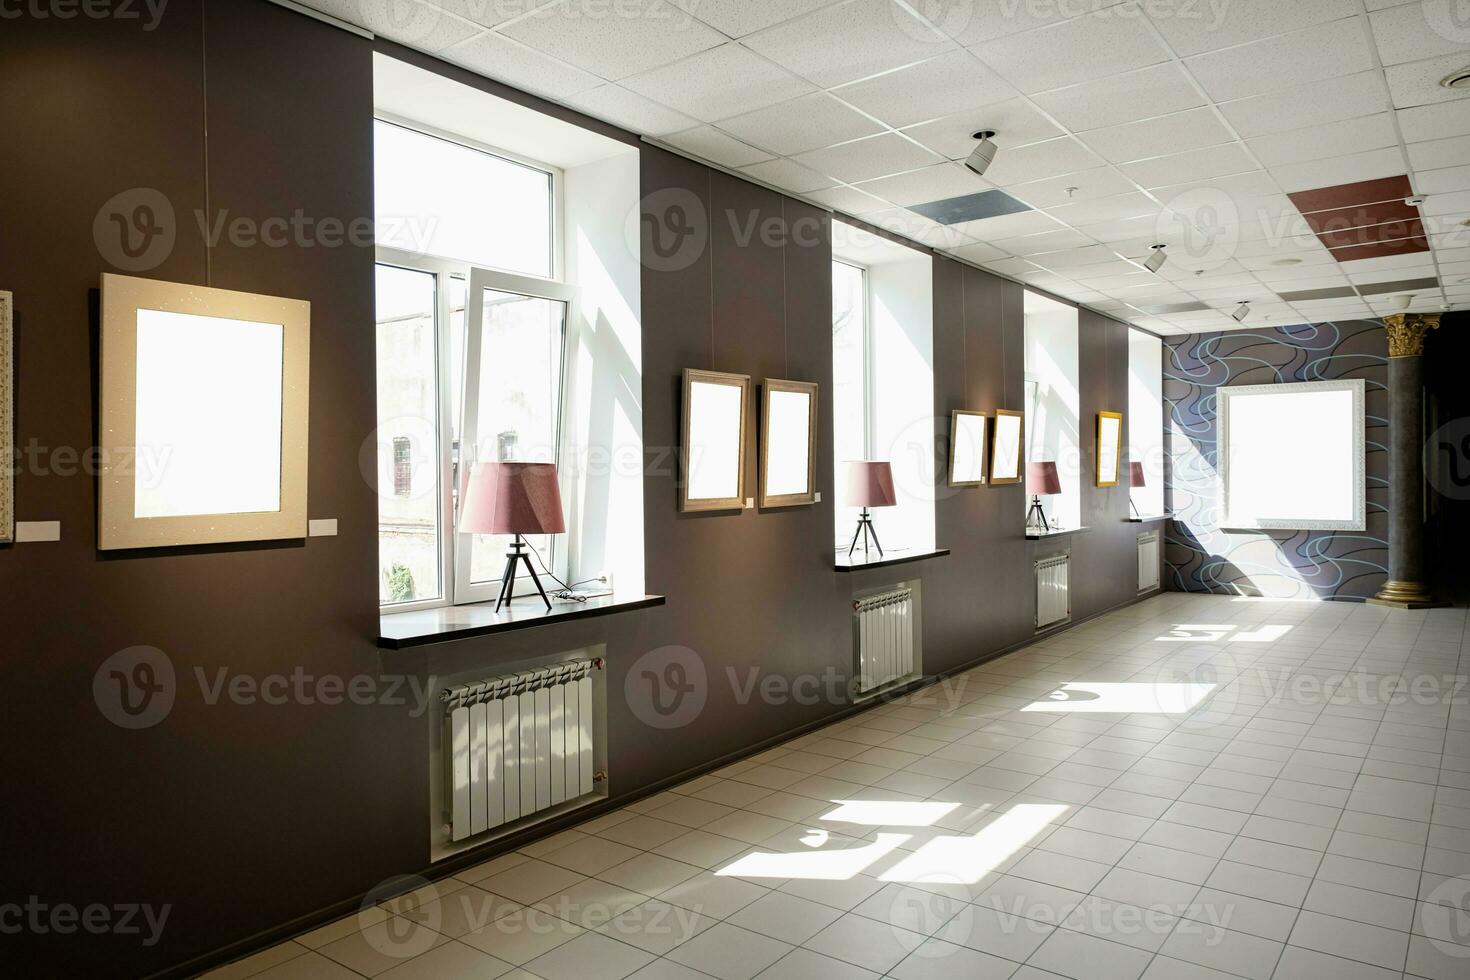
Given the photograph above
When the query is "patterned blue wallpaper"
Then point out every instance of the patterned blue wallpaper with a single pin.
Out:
(1198, 555)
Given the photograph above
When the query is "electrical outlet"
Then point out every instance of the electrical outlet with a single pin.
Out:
(606, 578)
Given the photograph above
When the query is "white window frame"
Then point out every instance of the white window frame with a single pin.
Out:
(454, 546)
(1358, 522)
(867, 309)
(465, 589)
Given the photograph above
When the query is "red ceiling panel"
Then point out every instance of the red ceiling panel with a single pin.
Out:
(1347, 195)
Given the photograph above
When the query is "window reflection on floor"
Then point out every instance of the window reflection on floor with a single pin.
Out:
(1129, 698)
(957, 859)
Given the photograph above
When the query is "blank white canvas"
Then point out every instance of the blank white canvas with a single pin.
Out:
(788, 449)
(1107, 450)
(208, 415)
(714, 441)
(1007, 447)
(969, 449)
(1291, 456)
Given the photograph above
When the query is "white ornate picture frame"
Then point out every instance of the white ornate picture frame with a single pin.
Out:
(7, 418)
(203, 415)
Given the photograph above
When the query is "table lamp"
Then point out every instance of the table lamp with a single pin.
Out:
(1135, 479)
(1041, 479)
(868, 485)
(513, 498)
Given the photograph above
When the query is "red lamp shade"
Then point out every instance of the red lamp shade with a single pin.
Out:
(1042, 479)
(870, 485)
(512, 498)
(1135, 475)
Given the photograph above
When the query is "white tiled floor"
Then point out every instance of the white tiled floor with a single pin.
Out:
(1282, 791)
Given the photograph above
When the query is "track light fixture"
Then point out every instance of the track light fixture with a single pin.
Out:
(1241, 312)
(1156, 261)
(983, 154)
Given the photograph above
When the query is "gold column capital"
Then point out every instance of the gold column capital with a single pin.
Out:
(1406, 332)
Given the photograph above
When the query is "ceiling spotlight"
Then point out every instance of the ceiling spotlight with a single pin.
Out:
(1414, 200)
(1156, 261)
(1287, 263)
(1241, 312)
(983, 154)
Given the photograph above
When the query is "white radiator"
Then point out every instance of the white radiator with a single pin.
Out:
(518, 745)
(1148, 561)
(884, 631)
(1053, 602)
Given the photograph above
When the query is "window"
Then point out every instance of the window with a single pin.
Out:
(470, 358)
(883, 383)
(438, 196)
(850, 361)
(403, 466)
(1053, 405)
(1291, 455)
(1146, 420)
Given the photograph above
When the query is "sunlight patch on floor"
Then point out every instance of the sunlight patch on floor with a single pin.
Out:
(1125, 698)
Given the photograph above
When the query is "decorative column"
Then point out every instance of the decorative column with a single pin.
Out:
(1406, 587)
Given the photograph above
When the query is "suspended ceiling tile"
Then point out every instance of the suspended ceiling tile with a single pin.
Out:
(1311, 56)
(849, 41)
(1078, 50)
(1195, 28)
(1160, 136)
(711, 144)
(849, 200)
(1015, 124)
(738, 18)
(939, 182)
(719, 83)
(614, 40)
(802, 124)
(1137, 95)
(865, 159)
(1308, 104)
(950, 83)
(1332, 139)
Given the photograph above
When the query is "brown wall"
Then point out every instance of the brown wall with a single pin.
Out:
(251, 821)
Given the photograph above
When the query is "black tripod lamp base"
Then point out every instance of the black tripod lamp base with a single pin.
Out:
(516, 554)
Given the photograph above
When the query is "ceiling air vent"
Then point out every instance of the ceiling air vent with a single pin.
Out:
(1457, 79)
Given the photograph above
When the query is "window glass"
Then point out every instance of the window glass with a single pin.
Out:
(517, 409)
(408, 446)
(438, 197)
(849, 362)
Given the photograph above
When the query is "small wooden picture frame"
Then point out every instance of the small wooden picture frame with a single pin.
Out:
(788, 470)
(712, 444)
(969, 440)
(1007, 444)
(1109, 448)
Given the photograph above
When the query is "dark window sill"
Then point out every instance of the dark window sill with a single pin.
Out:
(398, 631)
(858, 562)
(1033, 535)
(1150, 518)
